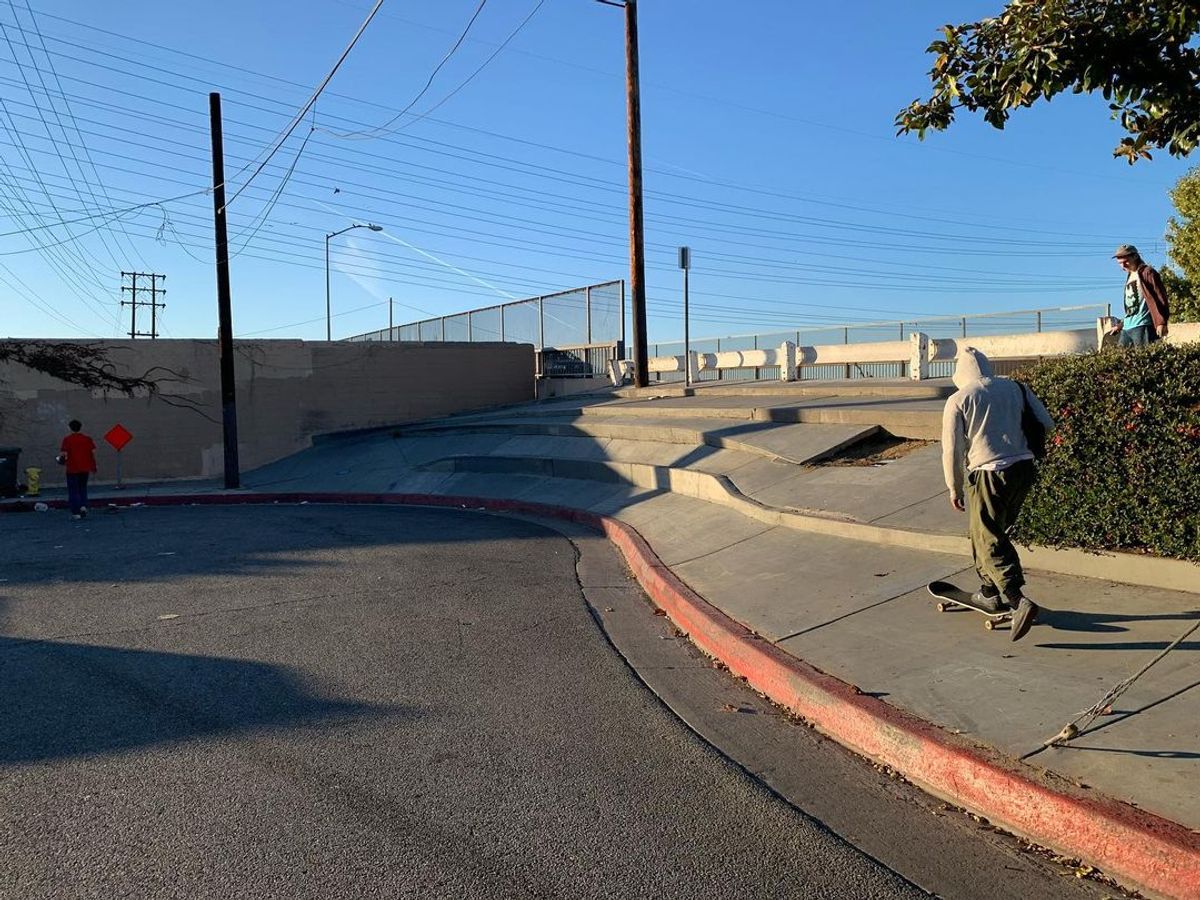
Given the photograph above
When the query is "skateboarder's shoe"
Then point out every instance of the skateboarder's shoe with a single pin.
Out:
(1023, 618)
(988, 603)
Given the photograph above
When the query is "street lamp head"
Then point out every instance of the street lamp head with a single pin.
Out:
(375, 227)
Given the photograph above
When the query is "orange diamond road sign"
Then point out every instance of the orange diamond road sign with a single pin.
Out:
(118, 436)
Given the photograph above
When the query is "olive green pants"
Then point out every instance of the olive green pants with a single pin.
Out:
(993, 502)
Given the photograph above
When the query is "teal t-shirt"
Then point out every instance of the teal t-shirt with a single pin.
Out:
(1137, 313)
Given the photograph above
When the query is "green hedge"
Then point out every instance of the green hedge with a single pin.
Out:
(1123, 467)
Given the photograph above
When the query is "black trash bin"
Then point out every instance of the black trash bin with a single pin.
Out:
(8, 471)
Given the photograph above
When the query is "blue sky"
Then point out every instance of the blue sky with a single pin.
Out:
(767, 139)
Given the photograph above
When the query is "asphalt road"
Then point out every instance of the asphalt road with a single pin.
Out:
(355, 702)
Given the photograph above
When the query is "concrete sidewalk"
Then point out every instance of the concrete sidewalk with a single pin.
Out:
(856, 609)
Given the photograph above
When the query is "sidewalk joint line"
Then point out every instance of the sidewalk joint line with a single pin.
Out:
(726, 547)
(903, 508)
(854, 612)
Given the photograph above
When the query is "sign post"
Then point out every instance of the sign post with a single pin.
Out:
(685, 263)
(118, 437)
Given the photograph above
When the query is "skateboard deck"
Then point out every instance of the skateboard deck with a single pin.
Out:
(952, 598)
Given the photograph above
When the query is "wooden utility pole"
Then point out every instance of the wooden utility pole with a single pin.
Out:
(637, 248)
(224, 305)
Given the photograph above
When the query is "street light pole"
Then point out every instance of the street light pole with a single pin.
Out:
(333, 234)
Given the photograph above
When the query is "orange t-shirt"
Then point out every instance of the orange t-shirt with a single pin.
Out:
(81, 453)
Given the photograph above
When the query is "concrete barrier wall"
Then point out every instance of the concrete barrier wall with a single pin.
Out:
(1184, 333)
(287, 392)
(918, 351)
(1018, 346)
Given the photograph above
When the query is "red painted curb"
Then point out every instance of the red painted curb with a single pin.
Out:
(1137, 847)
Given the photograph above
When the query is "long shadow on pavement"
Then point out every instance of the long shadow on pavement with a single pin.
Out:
(159, 544)
(1108, 623)
(62, 700)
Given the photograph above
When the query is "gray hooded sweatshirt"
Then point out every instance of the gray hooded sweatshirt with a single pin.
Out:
(981, 423)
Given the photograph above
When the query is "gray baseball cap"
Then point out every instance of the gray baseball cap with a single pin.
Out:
(1126, 250)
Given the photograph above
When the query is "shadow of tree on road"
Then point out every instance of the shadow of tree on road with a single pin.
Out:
(65, 700)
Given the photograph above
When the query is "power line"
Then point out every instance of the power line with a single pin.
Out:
(703, 180)
(56, 258)
(26, 293)
(841, 242)
(348, 312)
(42, 118)
(106, 213)
(71, 270)
(299, 117)
(71, 115)
(990, 283)
(382, 129)
(773, 234)
(466, 81)
(58, 118)
(270, 204)
(309, 207)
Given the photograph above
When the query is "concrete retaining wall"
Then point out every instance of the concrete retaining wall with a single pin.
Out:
(288, 391)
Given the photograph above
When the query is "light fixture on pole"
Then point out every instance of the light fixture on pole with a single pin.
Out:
(333, 234)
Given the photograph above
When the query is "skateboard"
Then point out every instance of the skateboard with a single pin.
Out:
(954, 598)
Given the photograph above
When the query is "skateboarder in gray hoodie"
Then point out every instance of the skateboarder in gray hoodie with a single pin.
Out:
(984, 445)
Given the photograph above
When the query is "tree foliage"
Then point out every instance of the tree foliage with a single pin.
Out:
(1181, 293)
(1183, 244)
(1140, 54)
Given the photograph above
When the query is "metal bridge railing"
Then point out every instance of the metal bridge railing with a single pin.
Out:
(575, 332)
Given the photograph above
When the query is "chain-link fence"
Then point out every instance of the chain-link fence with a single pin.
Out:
(594, 314)
(575, 332)
(1061, 318)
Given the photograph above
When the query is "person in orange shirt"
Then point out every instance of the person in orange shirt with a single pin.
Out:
(78, 454)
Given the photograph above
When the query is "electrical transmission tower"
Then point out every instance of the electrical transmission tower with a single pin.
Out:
(134, 302)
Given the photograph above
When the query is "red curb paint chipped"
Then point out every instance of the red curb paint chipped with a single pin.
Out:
(1152, 853)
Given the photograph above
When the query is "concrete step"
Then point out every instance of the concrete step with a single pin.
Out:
(793, 443)
(931, 389)
(919, 421)
(712, 487)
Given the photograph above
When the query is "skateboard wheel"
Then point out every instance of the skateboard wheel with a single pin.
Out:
(941, 607)
(989, 624)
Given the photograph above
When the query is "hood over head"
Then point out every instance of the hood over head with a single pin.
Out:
(970, 366)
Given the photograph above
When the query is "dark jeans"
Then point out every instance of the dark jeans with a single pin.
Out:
(1137, 337)
(77, 491)
(993, 502)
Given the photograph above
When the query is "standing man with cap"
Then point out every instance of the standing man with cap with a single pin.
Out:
(1146, 309)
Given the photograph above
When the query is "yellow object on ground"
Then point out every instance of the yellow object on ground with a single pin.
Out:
(33, 481)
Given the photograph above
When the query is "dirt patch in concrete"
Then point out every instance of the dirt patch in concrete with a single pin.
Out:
(877, 449)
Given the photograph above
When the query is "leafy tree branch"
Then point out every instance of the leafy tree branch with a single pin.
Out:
(1142, 55)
